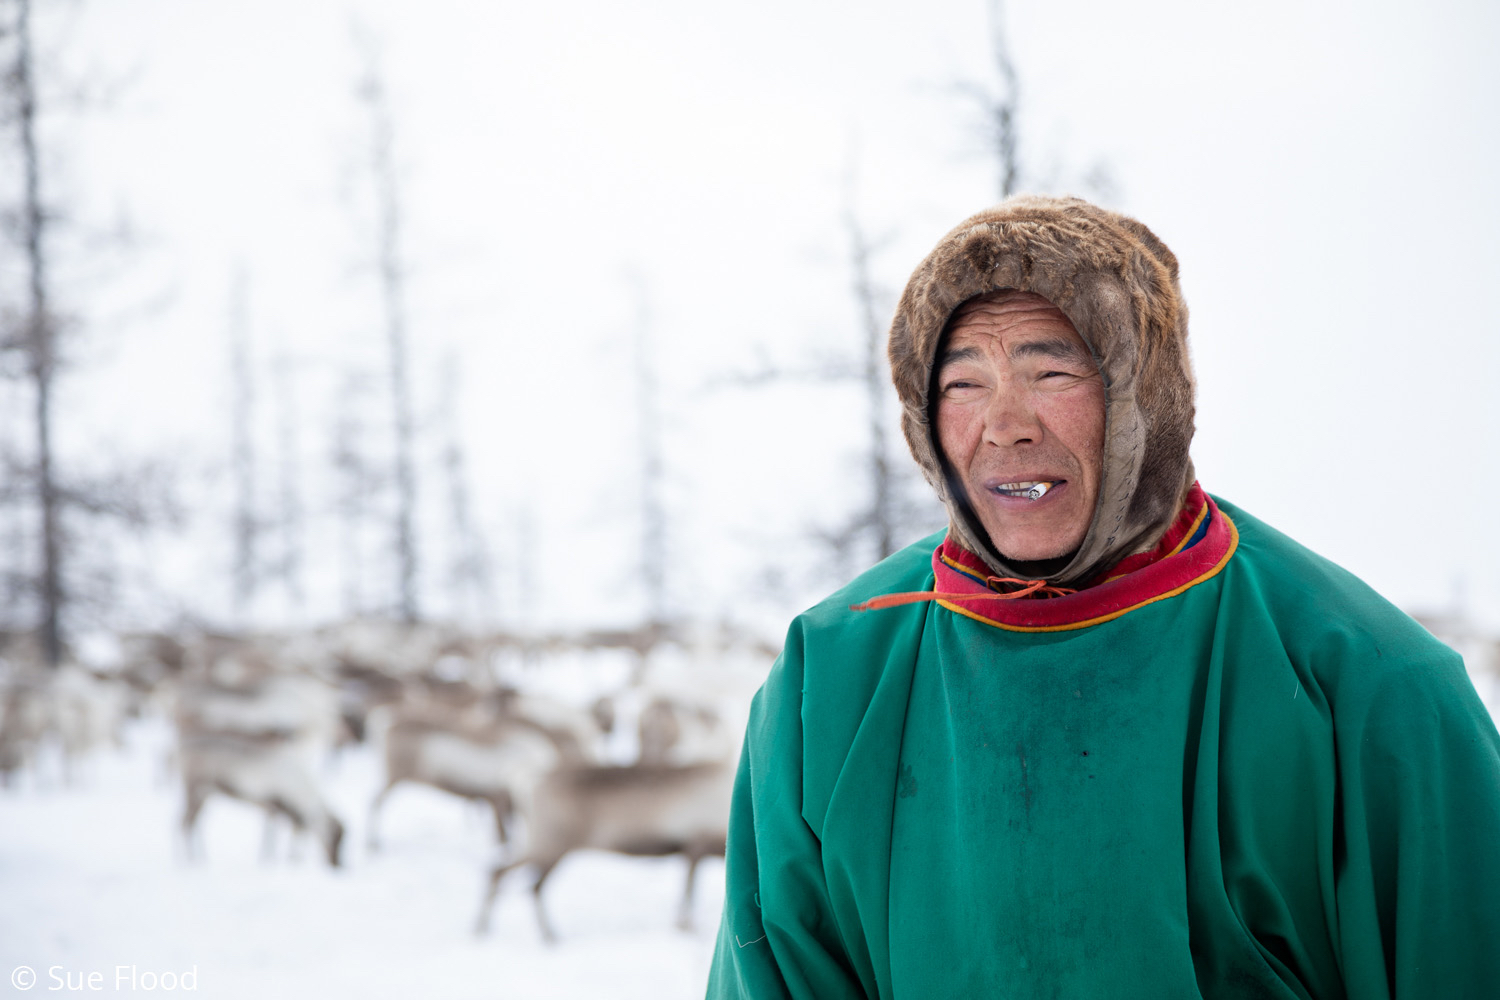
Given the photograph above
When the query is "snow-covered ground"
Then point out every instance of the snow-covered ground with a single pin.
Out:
(92, 878)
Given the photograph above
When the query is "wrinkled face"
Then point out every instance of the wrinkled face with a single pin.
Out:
(1020, 419)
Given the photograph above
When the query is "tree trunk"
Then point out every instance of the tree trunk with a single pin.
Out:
(1003, 108)
(40, 346)
(882, 506)
(242, 451)
(648, 427)
(393, 299)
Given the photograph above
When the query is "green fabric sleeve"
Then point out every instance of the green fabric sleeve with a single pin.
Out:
(777, 937)
(1420, 763)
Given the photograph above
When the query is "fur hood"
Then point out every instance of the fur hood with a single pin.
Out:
(1118, 285)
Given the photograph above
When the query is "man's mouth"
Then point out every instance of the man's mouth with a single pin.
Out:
(1029, 490)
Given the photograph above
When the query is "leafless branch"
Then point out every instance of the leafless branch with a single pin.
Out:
(371, 92)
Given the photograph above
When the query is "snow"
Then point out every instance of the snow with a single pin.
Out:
(93, 877)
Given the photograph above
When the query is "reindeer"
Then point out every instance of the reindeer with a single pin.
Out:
(253, 740)
(476, 757)
(74, 708)
(478, 762)
(148, 662)
(266, 771)
(24, 718)
(293, 707)
(577, 732)
(674, 730)
(87, 712)
(637, 810)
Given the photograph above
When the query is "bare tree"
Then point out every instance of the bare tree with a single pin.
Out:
(469, 574)
(246, 574)
(889, 514)
(391, 273)
(881, 515)
(653, 557)
(527, 585)
(359, 481)
(289, 521)
(39, 335)
(880, 526)
(61, 498)
(999, 104)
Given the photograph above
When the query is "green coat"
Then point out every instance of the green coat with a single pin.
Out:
(1271, 784)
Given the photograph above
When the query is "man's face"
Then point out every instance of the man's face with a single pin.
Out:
(1021, 403)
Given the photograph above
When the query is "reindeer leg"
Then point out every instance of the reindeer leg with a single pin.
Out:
(294, 849)
(482, 925)
(503, 808)
(268, 838)
(166, 767)
(543, 870)
(685, 913)
(196, 796)
(333, 837)
(372, 836)
(295, 817)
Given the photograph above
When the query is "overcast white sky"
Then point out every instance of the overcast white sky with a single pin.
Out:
(1325, 173)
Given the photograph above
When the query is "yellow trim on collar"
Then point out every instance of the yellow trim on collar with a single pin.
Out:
(1234, 544)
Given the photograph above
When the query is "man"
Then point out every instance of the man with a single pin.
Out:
(1110, 736)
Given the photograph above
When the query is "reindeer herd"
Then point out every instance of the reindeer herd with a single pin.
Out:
(644, 770)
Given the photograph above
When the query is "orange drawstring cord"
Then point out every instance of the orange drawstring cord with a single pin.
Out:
(1028, 587)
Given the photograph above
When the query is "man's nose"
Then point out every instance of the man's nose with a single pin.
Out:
(1011, 420)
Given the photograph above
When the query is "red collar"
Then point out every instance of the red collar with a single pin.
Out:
(1197, 545)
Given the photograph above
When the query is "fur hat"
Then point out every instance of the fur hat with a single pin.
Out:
(1118, 285)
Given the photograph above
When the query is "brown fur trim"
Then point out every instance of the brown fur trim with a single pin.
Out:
(1118, 285)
